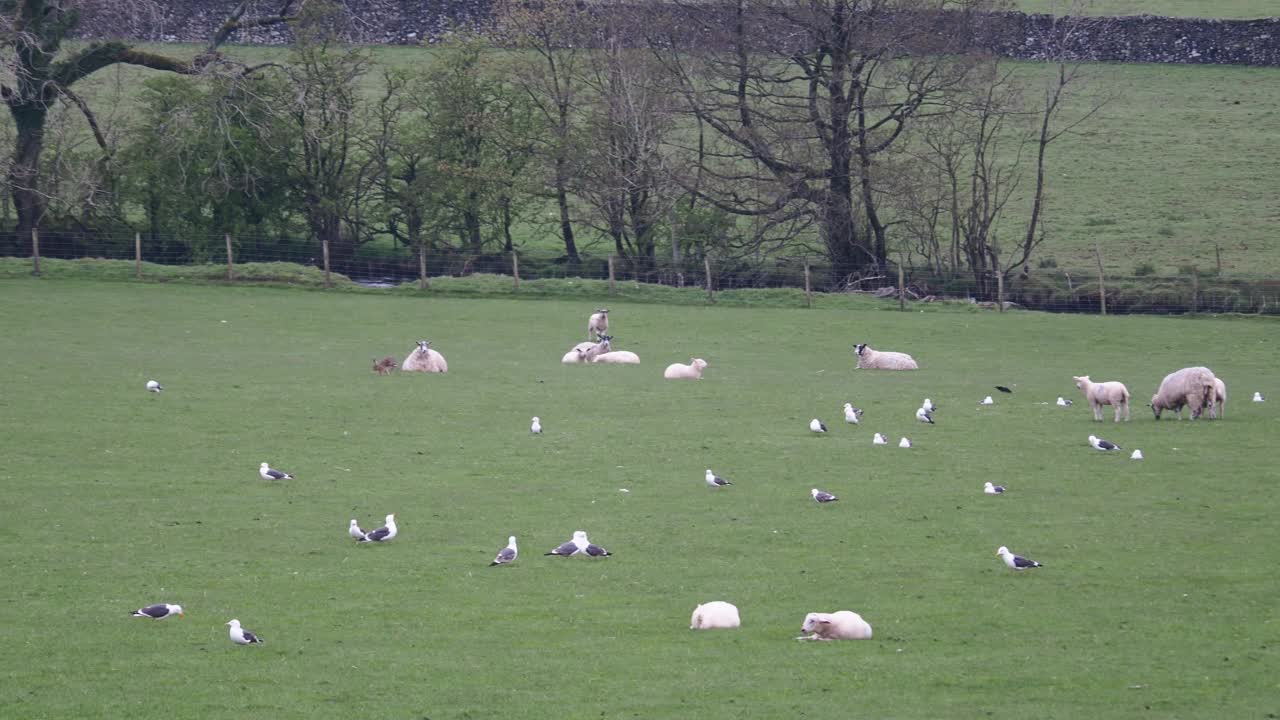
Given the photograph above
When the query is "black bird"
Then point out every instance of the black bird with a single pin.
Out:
(1003, 389)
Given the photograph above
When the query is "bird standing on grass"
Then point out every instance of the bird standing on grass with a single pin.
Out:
(817, 426)
(240, 636)
(1016, 562)
(879, 440)
(572, 547)
(536, 426)
(924, 415)
(851, 414)
(153, 386)
(1103, 445)
(384, 533)
(990, 489)
(355, 531)
(715, 480)
(507, 554)
(928, 405)
(159, 612)
(267, 473)
(822, 497)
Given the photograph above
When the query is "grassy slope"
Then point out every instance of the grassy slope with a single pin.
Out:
(1237, 9)
(1153, 599)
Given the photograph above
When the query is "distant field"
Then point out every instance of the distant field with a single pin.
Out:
(1238, 9)
(1157, 599)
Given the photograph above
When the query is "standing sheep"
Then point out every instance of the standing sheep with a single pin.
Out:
(715, 615)
(1219, 407)
(868, 358)
(1104, 393)
(677, 371)
(843, 625)
(598, 324)
(424, 359)
(1195, 387)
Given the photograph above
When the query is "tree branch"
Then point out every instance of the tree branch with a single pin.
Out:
(88, 116)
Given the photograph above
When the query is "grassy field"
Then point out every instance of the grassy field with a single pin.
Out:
(1236, 9)
(1157, 599)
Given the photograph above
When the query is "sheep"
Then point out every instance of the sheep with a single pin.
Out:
(617, 357)
(715, 615)
(1219, 407)
(598, 324)
(868, 358)
(385, 365)
(1192, 386)
(575, 354)
(597, 349)
(424, 359)
(843, 625)
(1104, 393)
(677, 371)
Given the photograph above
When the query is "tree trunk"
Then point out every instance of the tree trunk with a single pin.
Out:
(24, 173)
(566, 225)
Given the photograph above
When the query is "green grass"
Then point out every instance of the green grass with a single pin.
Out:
(1157, 599)
(1234, 9)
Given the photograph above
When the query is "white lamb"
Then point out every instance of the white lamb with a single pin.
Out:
(678, 371)
(715, 615)
(1219, 407)
(596, 349)
(843, 625)
(424, 359)
(1195, 387)
(575, 354)
(868, 358)
(1105, 393)
(598, 324)
(618, 357)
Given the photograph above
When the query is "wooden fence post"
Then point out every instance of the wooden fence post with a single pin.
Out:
(231, 268)
(613, 288)
(324, 250)
(35, 252)
(1217, 250)
(137, 255)
(515, 271)
(808, 288)
(423, 283)
(1195, 290)
(706, 265)
(1000, 288)
(902, 289)
(1102, 281)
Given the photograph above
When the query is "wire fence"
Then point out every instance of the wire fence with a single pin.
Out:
(265, 258)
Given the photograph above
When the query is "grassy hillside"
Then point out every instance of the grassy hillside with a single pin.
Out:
(1156, 598)
(1236, 9)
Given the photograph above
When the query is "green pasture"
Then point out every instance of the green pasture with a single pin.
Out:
(1157, 598)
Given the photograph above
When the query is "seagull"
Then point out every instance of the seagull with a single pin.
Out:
(817, 426)
(1003, 389)
(925, 415)
(240, 636)
(928, 405)
(990, 489)
(536, 427)
(1257, 397)
(1103, 445)
(355, 530)
(987, 401)
(1137, 455)
(154, 386)
(904, 443)
(1063, 401)
(1014, 561)
(594, 550)
(851, 413)
(879, 440)
(715, 480)
(822, 497)
(572, 547)
(268, 474)
(159, 612)
(384, 533)
(506, 554)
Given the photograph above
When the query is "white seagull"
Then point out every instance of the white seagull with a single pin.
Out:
(925, 415)
(928, 405)
(987, 401)
(1257, 397)
(159, 612)
(355, 530)
(240, 636)
(1014, 561)
(1103, 445)
(1063, 401)
(851, 413)
(879, 440)
(822, 497)
(1137, 455)
(817, 426)
(571, 547)
(268, 474)
(536, 427)
(715, 480)
(384, 533)
(154, 386)
(904, 443)
(990, 489)
(506, 554)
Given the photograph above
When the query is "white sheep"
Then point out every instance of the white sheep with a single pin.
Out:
(871, 359)
(598, 324)
(715, 615)
(1104, 393)
(1195, 387)
(617, 357)
(596, 349)
(424, 359)
(843, 625)
(677, 371)
(1219, 407)
(575, 354)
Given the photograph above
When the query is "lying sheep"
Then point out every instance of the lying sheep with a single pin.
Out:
(576, 352)
(715, 615)
(597, 349)
(617, 357)
(871, 359)
(598, 324)
(1104, 393)
(677, 371)
(1195, 387)
(843, 625)
(424, 359)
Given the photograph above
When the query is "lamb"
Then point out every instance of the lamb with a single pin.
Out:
(424, 359)
(597, 349)
(1104, 393)
(1192, 386)
(868, 358)
(598, 324)
(715, 615)
(843, 625)
(576, 352)
(1219, 406)
(677, 371)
